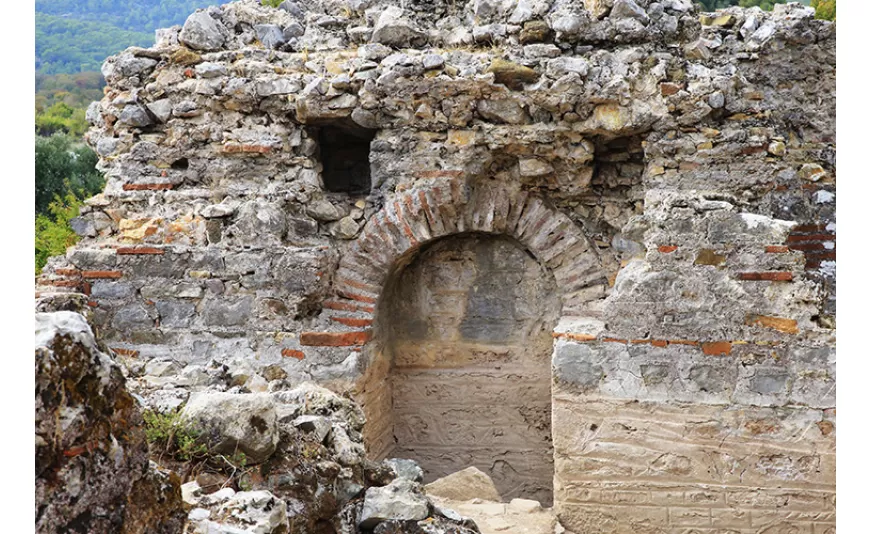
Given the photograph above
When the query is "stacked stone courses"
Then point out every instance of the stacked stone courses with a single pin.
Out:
(672, 173)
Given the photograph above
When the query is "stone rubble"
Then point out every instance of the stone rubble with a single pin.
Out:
(317, 469)
(92, 467)
(470, 483)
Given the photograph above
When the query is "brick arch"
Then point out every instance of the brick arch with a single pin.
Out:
(413, 218)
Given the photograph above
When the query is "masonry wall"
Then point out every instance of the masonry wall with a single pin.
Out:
(673, 172)
(469, 325)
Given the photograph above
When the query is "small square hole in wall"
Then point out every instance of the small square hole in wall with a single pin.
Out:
(344, 154)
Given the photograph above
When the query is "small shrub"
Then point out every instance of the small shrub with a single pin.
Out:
(825, 9)
(239, 460)
(63, 166)
(53, 234)
(271, 3)
(174, 436)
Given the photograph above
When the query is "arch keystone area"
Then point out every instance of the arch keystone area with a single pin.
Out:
(416, 217)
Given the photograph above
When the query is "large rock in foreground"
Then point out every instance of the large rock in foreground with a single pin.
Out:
(246, 423)
(91, 453)
(400, 500)
(470, 483)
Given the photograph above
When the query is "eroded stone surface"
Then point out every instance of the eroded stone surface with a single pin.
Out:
(92, 468)
(470, 325)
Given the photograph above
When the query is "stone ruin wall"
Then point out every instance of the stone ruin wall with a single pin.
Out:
(671, 175)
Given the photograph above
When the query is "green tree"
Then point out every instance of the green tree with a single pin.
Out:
(713, 5)
(65, 45)
(61, 117)
(53, 232)
(825, 9)
(133, 15)
(63, 168)
(75, 90)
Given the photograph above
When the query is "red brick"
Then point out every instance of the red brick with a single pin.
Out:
(805, 247)
(147, 187)
(669, 89)
(139, 250)
(72, 452)
(357, 297)
(667, 249)
(716, 348)
(776, 249)
(788, 326)
(335, 339)
(246, 149)
(291, 353)
(808, 228)
(347, 306)
(405, 227)
(352, 321)
(614, 340)
(424, 205)
(356, 284)
(125, 352)
(101, 274)
(792, 238)
(67, 272)
(772, 276)
(63, 283)
(658, 343)
(683, 342)
(830, 255)
(574, 337)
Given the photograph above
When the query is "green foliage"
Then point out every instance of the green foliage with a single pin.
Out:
(132, 15)
(825, 9)
(78, 35)
(171, 434)
(713, 5)
(271, 3)
(766, 5)
(61, 117)
(63, 168)
(53, 233)
(65, 45)
(75, 90)
(239, 460)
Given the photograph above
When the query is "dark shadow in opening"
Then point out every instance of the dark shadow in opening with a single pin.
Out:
(344, 153)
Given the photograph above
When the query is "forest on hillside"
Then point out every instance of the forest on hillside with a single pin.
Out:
(767, 5)
(131, 15)
(66, 45)
(77, 35)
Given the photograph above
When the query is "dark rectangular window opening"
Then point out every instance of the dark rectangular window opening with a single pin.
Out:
(344, 154)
